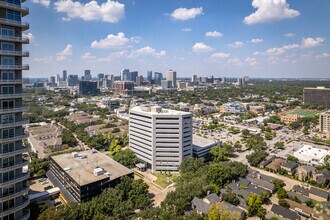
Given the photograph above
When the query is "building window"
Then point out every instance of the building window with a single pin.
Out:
(8, 104)
(8, 133)
(7, 75)
(7, 46)
(9, 147)
(8, 90)
(7, 31)
(10, 118)
(8, 61)
(13, 15)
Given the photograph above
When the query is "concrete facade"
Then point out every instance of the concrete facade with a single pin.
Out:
(160, 138)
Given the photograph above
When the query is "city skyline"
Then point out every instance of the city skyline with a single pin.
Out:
(256, 38)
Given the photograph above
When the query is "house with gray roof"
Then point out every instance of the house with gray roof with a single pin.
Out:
(284, 213)
(290, 167)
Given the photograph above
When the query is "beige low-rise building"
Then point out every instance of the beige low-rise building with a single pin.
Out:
(82, 118)
(45, 138)
(289, 118)
(305, 172)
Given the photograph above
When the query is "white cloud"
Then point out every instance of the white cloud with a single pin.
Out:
(251, 60)
(30, 36)
(269, 11)
(147, 50)
(256, 40)
(110, 11)
(45, 3)
(220, 55)
(236, 44)
(112, 41)
(183, 14)
(235, 61)
(289, 35)
(305, 43)
(65, 54)
(311, 42)
(323, 55)
(281, 50)
(201, 47)
(45, 59)
(186, 29)
(88, 56)
(213, 34)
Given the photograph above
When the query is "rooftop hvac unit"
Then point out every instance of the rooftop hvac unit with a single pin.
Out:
(98, 171)
(74, 154)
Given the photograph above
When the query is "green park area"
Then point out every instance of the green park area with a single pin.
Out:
(164, 180)
(303, 112)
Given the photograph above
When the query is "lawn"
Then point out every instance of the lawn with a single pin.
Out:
(303, 112)
(161, 179)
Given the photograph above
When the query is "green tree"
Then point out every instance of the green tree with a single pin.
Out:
(191, 165)
(230, 198)
(279, 145)
(293, 158)
(284, 203)
(278, 184)
(126, 157)
(219, 212)
(256, 157)
(281, 193)
(245, 133)
(254, 205)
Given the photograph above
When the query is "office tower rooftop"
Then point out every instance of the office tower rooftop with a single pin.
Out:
(14, 186)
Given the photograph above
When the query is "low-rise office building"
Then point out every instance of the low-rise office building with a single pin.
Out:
(201, 146)
(83, 175)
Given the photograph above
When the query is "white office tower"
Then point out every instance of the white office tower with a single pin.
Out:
(194, 78)
(160, 138)
(171, 76)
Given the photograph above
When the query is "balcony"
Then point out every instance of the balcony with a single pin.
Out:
(15, 95)
(24, 40)
(12, 139)
(26, 213)
(15, 7)
(17, 207)
(16, 166)
(14, 110)
(15, 152)
(18, 179)
(13, 124)
(15, 53)
(14, 67)
(19, 192)
(24, 25)
(10, 81)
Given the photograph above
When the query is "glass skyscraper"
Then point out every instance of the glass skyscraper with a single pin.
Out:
(13, 177)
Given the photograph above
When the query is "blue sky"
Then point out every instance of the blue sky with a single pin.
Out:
(259, 38)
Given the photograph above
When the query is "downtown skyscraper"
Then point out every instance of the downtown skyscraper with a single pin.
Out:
(13, 177)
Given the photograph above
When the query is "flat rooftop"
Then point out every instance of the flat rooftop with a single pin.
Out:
(199, 141)
(81, 168)
(310, 153)
(319, 88)
(157, 110)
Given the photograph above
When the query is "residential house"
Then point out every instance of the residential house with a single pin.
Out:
(290, 167)
(322, 177)
(284, 213)
(305, 172)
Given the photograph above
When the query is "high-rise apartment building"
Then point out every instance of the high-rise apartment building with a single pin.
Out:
(14, 176)
(171, 76)
(325, 122)
(158, 78)
(317, 96)
(64, 75)
(87, 75)
(149, 76)
(160, 138)
(88, 88)
(124, 75)
(57, 79)
(72, 80)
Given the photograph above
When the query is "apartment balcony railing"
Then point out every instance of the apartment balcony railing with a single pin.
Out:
(23, 39)
(14, 67)
(16, 7)
(15, 138)
(13, 153)
(26, 214)
(16, 166)
(14, 110)
(19, 192)
(15, 53)
(13, 124)
(15, 95)
(10, 22)
(17, 207)
(17, 179)
(11, 81)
